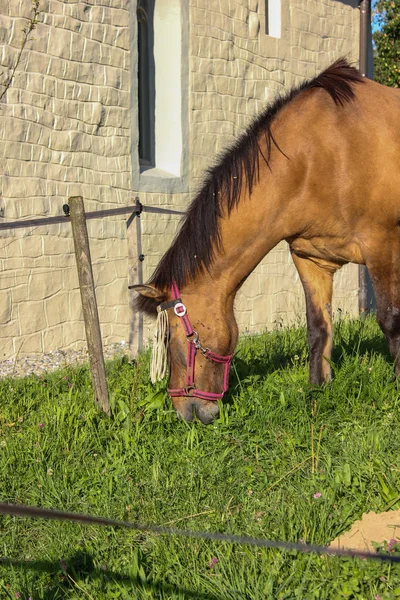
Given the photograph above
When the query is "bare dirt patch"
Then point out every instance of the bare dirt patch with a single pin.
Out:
(372, 527)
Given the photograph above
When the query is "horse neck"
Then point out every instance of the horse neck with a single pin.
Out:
(247, 234)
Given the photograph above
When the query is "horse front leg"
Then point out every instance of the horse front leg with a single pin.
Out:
(385, 277)
(317, 279)
(388, 316)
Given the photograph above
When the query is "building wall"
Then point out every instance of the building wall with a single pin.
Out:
(69, 127)
(64, 131)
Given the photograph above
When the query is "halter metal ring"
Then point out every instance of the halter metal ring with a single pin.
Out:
(181, 306)
(195, 340)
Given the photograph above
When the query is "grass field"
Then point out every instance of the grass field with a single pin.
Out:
(249, 473)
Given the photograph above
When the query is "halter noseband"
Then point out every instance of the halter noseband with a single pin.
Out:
(192, 347)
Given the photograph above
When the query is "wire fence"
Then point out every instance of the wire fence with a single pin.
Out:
(20, 510)
(133, 257)
(134, 210)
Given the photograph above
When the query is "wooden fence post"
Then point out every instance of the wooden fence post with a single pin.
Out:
(89, 303)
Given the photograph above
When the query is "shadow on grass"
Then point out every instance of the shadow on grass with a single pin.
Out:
(80, 566)
(279, 358)
(373, 345)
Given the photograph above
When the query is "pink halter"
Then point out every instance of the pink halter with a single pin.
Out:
(192, 347)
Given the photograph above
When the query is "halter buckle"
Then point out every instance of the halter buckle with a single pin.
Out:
(179, 306)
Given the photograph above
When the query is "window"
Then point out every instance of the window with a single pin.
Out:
(273, 18)
(160, 105)
(145, 83)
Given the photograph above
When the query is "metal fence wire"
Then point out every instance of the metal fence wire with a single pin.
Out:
(20, 510)
(136, 209)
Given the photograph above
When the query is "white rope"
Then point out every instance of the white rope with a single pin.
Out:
(158, 365)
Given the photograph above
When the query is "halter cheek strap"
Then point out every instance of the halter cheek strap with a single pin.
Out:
(193, 345)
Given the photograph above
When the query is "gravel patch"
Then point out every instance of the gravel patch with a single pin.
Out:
(58, 359)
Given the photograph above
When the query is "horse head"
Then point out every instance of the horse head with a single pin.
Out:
(199, 342)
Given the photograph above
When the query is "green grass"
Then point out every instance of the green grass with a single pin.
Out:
(249, 473)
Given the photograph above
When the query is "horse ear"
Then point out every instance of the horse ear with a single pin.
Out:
(148, 291)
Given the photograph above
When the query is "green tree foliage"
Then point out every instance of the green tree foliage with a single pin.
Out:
(387, 42)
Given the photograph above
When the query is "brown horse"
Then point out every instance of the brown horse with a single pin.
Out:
(320, 168)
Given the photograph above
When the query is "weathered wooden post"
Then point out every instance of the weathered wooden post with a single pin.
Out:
(89, 303)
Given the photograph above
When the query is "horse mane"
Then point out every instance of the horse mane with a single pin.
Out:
(194, 246)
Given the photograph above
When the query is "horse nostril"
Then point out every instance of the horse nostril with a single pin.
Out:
(184, 409)
(206, 411)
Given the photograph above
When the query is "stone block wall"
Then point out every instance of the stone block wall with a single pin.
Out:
(65, 130)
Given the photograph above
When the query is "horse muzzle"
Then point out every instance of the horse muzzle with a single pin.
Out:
(187, 407)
